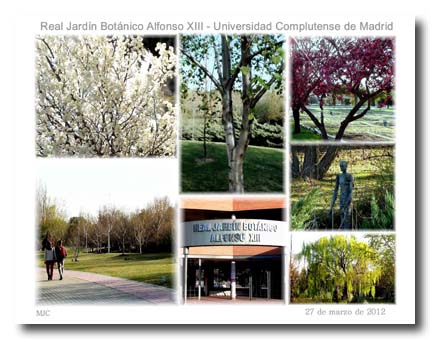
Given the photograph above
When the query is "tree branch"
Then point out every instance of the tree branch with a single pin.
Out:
(261, 50)
(204, 70)
(247, 60)
(312, 117)
(261, 92)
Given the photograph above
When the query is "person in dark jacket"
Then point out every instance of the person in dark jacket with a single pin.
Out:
(60, 255)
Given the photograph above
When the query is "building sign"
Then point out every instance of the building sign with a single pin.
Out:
(235, 232)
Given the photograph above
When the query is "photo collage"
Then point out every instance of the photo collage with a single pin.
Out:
(215, 169)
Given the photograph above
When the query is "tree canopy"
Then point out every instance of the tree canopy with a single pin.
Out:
(363, 67)
(339, 268)
(103, 96)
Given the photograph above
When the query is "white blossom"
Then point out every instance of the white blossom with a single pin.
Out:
(103, 96)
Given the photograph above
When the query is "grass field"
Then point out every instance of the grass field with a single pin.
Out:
(263, 168)
(376, 125)
(156, 268)
(304, 135)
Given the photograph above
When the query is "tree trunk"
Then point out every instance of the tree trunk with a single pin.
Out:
(205, 151)
(108, 245)
(206, 112)
(314, 166)
(234, 169)
(236, 183)
(295, 164)
(352, 115)
(236, 176)
(326, 161)
(140, 248)
(342, 128)
(310, 162)
(319, 124)
(345, 292)
(296, 116)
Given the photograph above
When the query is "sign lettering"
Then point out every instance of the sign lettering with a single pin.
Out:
(235, 232)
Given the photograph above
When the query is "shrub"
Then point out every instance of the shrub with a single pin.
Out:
(302, 212)
(381, 214)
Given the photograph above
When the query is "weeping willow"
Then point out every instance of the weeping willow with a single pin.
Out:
(339, 269)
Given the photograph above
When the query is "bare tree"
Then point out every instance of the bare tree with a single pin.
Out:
(107, 221)
(42, 203)
(160, 219)
(122, 229)
(140, 228)
(85, 221)
(96, 235)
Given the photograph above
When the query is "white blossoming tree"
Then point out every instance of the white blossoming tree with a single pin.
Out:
(104, 96)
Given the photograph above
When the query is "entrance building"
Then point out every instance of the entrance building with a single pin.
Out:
(233, 248)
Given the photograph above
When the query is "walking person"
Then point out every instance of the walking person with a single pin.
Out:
(49, 255)
(60, 254)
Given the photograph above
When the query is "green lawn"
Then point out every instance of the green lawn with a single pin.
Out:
(304, 135)
(263, 168)
(156, 268)
(376, 125)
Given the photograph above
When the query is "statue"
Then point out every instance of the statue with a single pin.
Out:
(346, 183)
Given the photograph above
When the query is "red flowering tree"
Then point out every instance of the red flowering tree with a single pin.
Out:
(323, 67)
(312, 64)
(363, 67)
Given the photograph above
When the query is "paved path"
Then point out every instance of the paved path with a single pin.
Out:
(89, 288)
(239, 300)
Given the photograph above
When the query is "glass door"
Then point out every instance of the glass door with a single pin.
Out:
(243, 282)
